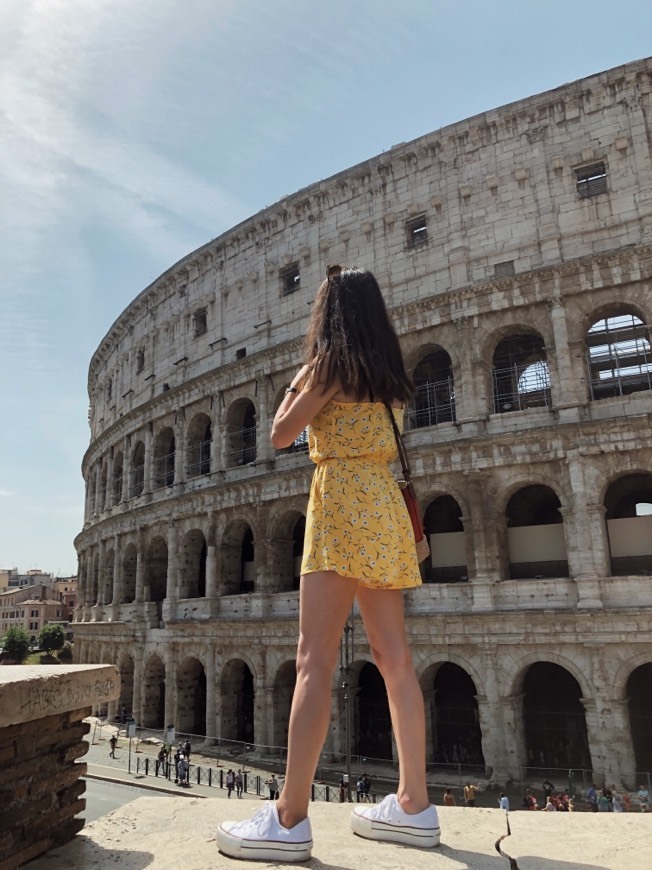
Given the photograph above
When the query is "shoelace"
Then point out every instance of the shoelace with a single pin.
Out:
(261, 821)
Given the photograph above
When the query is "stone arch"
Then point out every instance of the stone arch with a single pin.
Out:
(617, 351)
(240, 433)
(156, 572)
(164, 458)
(129, 562)
(442, 520)
(554, 720)
(192, 565)
(237, 691)
(434, 398)
(372, 727)
(238, 559)
(520, 375)
(639, 706)
(452, 715)
(535, 534)
(628, 508)
(284, 684)
(199, 438)
(191, 697)
(286, 547)
(137, 470)
(153, 693)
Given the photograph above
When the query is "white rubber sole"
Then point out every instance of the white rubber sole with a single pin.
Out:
(422, 838)
(262, 850)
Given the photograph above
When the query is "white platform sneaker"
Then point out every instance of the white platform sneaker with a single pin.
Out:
(263, 838)
(387, 821)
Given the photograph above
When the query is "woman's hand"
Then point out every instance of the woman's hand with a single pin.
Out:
(298, 408)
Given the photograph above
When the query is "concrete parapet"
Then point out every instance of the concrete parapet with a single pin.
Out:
(41, 738)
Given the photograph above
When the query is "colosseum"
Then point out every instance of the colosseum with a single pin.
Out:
(515, 251)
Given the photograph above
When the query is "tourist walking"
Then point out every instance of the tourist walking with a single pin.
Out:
(469, 794)
(113, 742)
(239, 783)
(358, 543)
(230, 782)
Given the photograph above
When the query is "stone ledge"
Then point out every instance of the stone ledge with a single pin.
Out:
(29, 692)
(168, 833)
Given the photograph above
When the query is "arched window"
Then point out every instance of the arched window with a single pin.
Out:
(137, 471)
(520, 375)
(118, 468)
(618, 356)
(535, 534)
(200, 437)
(164, 456)
(434, 397)
(241, 434)
(628, 504)
(443, 526)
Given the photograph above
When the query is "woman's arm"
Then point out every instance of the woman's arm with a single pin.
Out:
(298, 408)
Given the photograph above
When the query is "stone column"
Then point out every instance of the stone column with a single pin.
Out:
(264, 449)
(512, 719)
(620, 761)
(211, 566)
(261, 718)
(170, 713)
(216, 444)
(473, 379)
(137, 712)
(566, 365)
(98, 488)
(497, 764)
(108, 495)
(587, 541)
(484, 543)
(211, 706)
(171, 587)
(126, 469)
(117, 573)
(149, 461)
(140, 569)
(179, 456)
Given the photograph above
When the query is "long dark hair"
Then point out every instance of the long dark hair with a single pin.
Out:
(351, 339)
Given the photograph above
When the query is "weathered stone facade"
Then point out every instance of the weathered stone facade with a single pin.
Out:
(515, 253)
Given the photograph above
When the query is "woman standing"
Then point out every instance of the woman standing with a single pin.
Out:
(358, 543)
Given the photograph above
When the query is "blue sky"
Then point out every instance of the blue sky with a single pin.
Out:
(133, 131)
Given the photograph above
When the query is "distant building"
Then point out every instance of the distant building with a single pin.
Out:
(31, 608)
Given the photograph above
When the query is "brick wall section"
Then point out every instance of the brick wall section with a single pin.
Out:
(40, 787)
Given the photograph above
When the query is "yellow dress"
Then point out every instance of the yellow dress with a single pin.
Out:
(357, 523)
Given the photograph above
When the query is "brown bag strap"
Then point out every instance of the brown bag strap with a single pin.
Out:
(402, 452)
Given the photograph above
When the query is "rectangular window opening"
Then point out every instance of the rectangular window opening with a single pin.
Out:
(591, 180)
(504, 270)
(290, 279)
(200, 322)
(241, 353)
(417, 232)
(140, 361)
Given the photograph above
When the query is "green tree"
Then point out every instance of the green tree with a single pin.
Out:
(15, 644)
(51, 637)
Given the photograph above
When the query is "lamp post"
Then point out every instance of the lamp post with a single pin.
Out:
(346, 657)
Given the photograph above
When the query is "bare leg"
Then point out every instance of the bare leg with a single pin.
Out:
(325, 600)
(382, 614)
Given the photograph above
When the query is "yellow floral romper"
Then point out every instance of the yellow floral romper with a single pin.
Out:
(357, 523)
